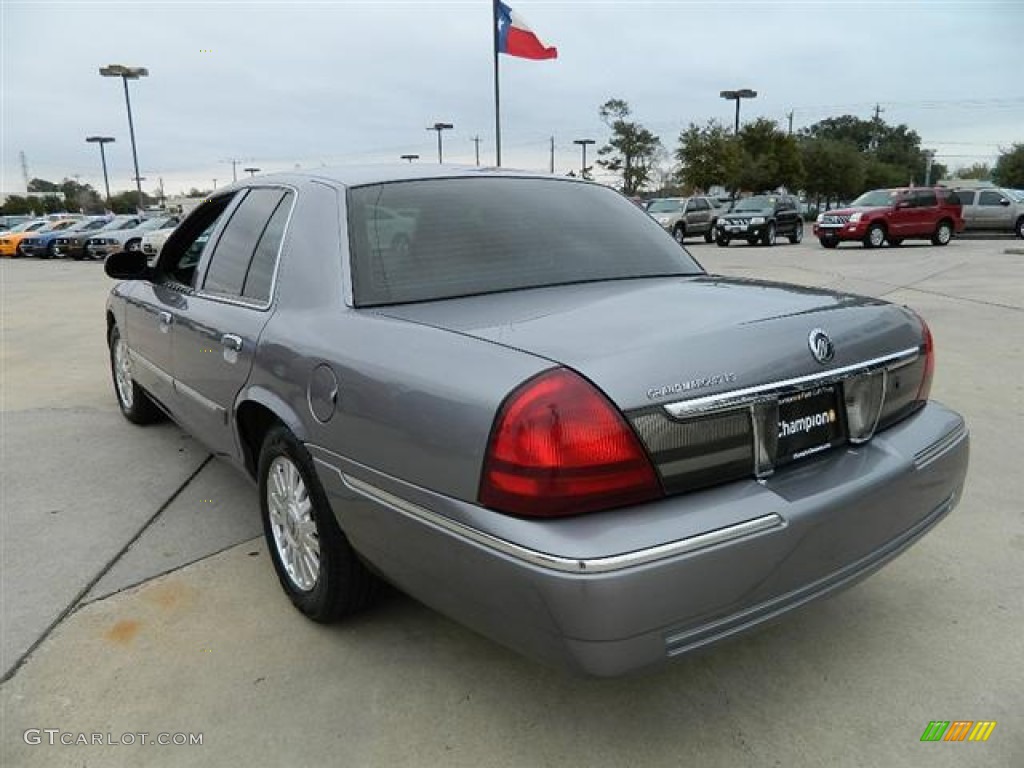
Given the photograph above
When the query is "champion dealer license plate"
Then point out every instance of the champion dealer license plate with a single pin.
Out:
(809, 422)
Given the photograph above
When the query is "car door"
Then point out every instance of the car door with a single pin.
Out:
(993, 210)
(698, 216)
(968, 209)
(153, 307)
(903, 215)
(215, 336)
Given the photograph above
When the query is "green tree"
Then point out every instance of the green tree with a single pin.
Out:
(17, 205)
(771, 158)
(42, 185)
(1009, 170)
(980, 171)
(127, 201)
(630, 150)
(834, 169)
(709, 155)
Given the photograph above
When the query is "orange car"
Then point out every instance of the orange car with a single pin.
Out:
(9, 241)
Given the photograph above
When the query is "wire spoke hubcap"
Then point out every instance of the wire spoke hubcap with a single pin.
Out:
(296, 537)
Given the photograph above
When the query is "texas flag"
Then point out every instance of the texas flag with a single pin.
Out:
(517, 39)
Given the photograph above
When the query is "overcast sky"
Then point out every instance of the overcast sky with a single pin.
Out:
(284, 83)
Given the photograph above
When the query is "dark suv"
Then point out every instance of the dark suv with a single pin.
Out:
(893, 215)
(761, 219)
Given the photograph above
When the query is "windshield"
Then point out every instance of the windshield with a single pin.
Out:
(755, 203)
(149, 224)
(29, 226)
(1017, 194)
(665, 206)
(470, 236)
(876, 198)
(88, 226)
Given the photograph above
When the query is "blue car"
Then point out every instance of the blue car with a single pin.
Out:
(44, 244)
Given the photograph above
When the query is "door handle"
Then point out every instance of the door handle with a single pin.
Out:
(166, 318)
(232, 342)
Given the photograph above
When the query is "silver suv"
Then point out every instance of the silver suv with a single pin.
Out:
(992, 210)
(686, 216)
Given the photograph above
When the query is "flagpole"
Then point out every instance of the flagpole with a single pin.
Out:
(497, 90)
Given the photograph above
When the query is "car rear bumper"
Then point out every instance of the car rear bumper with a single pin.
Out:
(723, 561)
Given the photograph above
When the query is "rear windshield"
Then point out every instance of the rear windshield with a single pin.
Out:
(440, 238)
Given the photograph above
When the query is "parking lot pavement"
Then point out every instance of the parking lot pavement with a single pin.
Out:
(215, 648)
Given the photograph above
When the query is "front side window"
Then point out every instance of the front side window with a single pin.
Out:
(184, 248)
(988, 197)
(468, 236)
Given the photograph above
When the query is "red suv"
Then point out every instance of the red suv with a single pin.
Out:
(893, 215)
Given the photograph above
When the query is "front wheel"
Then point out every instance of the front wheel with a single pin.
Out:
(798, 233)
(875, 236)
(768, 238)
(943, 233)
(895, 242)
(710, 234)
(132, 399)
(1020, 227)
(317, 567)
(828, 242)
(722, 241)
(133, 245)
(679, 233)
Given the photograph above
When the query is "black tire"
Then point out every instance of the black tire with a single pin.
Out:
(828, 242)
(1020, 227)
(722, 241)
(768, 238)
(753, 240)
(679, 233)
(709, 236)
(135, 404)
(943, 233)
(343, 585)
(798, 233)
(875, 236)
(135, 244)
(79, 257)
(895, 242)
(51, 250)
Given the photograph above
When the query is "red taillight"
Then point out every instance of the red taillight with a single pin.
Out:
(559, 447)
(929, 362)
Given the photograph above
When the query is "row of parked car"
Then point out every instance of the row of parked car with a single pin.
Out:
(878, 217)
(86, 237)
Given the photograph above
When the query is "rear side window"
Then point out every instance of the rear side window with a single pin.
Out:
(466, 236)
(966, 197)
(229, 264)
(260, 276)
(925, 198)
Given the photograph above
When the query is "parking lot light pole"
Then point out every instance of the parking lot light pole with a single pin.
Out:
(583, 148)
(126, 74)
(737, 96)
(101, 140)
(410, 158)
(439, 127)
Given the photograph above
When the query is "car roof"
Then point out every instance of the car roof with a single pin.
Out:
(360, 175)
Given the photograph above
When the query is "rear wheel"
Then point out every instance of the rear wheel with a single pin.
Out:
(798, 233)
(679, 233)
(875, 236)
(943, 233)
(133, 400)
(317, 567)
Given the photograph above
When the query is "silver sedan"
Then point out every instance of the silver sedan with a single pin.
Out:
(535, 412)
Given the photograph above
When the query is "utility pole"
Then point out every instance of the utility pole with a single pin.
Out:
(789, 116)
(215, 184)
(875, 126)
(552, 154)
(476, 141)
(24, 168)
